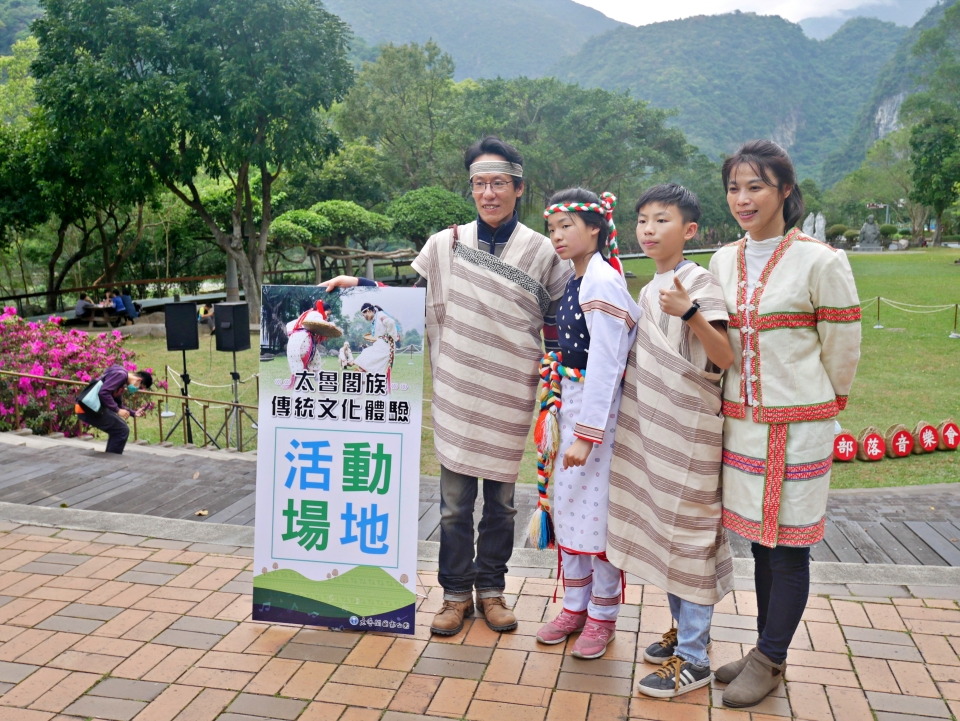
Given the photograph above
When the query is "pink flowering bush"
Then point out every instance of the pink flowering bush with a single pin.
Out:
(48, 349)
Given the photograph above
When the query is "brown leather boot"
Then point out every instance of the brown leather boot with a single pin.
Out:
(758, 678)
(729, 671)
(449, 619)
(496, 614)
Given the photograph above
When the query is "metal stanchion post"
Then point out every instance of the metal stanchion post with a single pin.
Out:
(956, 309)
(878, 326)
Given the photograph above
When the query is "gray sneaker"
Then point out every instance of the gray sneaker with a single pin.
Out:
(674, 678)
(664, 649)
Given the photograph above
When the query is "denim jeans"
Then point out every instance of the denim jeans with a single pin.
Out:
(460, 569)
(782, 579)
(693, 629)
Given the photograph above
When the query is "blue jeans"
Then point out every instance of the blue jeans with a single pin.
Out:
(693, 629)
(460, 569)
(781, 576)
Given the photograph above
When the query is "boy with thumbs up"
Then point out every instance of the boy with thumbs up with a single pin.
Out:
(665, 509)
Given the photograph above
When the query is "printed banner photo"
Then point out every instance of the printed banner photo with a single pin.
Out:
(338, 461)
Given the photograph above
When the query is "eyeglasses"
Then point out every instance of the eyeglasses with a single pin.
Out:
(478, 187)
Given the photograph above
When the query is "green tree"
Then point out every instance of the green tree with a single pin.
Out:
(936, 163)
(229, 90)
(349, 222)
(420, 213)
(885, 176)
(354, 173)
(16, 83)
(405, 104)
(571, 135)
(812, 195)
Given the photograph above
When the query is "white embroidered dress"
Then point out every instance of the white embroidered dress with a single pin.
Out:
(378, 357)
(596, 322)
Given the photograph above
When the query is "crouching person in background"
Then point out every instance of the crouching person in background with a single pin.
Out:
(112, 417)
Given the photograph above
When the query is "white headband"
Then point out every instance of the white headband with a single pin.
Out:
(496, 166)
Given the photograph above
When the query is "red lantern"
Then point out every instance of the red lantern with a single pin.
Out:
(926, 439)
(901, 444)
(844, 446)
(949, 436)
(873, 447)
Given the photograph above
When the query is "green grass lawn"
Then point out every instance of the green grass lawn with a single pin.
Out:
(909, 371)
(206, 366)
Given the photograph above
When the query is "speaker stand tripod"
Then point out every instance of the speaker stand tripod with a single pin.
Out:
(188, 416)
(235, 417)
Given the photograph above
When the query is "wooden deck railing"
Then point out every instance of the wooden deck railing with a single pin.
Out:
(205, 403)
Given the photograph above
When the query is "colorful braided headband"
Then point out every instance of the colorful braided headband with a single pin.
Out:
(608, 201)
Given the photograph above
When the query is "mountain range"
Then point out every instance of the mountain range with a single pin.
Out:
(728, 78)
(901, 12)
(508, 38)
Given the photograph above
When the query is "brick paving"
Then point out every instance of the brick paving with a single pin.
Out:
(114, 627)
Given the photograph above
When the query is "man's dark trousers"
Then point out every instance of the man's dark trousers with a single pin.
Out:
(113, 425)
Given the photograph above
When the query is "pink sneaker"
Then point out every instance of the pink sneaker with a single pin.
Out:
(594, 639)
(562, 626)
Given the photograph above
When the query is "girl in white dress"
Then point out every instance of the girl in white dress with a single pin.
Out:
(378, 357)
(596, 322)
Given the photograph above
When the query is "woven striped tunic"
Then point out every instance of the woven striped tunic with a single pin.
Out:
(665, 511)
(484, 317)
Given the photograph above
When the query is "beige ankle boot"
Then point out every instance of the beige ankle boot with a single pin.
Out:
(729, 671)
(754, 683)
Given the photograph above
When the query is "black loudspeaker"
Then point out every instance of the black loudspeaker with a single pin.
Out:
(232, 321)
(180, 320)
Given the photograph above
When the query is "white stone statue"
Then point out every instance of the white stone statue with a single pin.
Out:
(821, 228)
(808, 225)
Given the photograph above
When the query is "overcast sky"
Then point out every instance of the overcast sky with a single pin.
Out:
(643, 12)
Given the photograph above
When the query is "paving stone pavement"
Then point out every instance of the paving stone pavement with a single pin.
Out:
(117, 627)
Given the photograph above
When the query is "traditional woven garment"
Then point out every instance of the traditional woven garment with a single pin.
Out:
(596, 314)
(798, 336)
(665, 511)
(378, 357)
(484, 316)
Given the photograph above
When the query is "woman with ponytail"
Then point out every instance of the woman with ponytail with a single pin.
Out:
(580, 395)
(795, 332)
(378, 356)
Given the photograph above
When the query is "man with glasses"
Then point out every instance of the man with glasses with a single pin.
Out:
(492, 288)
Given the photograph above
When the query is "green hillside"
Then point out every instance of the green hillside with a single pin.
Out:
(739, 76)
(364, 590)
(877, 116)
(15, 19)
(508, 38)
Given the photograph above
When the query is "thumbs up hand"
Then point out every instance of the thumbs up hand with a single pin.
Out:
(675, 301)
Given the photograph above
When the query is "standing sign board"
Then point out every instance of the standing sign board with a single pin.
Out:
(338, 461)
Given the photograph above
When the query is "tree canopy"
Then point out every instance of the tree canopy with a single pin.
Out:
(231, 90)
(420, 213)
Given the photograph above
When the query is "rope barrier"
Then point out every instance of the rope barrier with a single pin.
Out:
(915, 309)
(206, 385)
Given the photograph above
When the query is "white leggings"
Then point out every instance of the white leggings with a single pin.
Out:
(592, 585)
